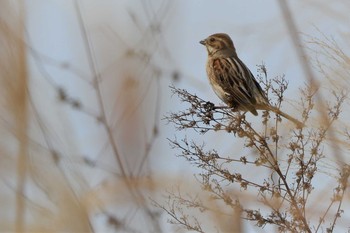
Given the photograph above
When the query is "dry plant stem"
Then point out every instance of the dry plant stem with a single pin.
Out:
(21, 114)
(224, 174)
(53, 152)
(343, 184)
(276, 168)
(294, 204)
(285, 225)
(155, 128)
(21, 167)
(337, 196)
(312, 82)
(137, 196)
(97, 79)
(307, 68)
(183, 221)
(324, 216)
(297, 43)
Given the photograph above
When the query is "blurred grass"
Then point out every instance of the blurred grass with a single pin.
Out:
(69, 126)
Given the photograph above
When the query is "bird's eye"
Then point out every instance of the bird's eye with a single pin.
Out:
(212, 39)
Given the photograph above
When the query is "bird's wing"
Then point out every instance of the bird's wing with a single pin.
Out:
(232, 76)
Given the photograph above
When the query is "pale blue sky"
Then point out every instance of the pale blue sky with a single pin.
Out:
(256, 27)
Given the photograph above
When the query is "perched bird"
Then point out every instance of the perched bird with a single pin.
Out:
(231, 79)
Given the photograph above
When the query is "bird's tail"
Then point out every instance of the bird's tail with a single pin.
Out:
(298, 123)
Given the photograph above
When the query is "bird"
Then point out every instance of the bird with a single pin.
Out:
(232, 81)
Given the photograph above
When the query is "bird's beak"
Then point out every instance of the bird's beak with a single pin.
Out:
(202, 42)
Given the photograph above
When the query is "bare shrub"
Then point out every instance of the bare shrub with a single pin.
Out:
(288, 164)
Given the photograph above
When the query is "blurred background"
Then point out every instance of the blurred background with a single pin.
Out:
(85, 85)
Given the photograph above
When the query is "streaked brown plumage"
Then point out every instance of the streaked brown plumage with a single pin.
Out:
(231, 79)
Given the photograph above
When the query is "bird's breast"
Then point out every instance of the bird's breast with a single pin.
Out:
(213, 68)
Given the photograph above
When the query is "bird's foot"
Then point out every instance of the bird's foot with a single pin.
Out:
(209, 106)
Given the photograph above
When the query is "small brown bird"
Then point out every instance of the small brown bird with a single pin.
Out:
(231, 79)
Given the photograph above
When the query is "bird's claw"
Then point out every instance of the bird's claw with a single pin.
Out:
(209, 106)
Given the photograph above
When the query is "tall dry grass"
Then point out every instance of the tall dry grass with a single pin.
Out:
(78, 135)
(14, 104)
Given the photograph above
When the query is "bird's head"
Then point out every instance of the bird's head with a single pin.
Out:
(219, 44)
